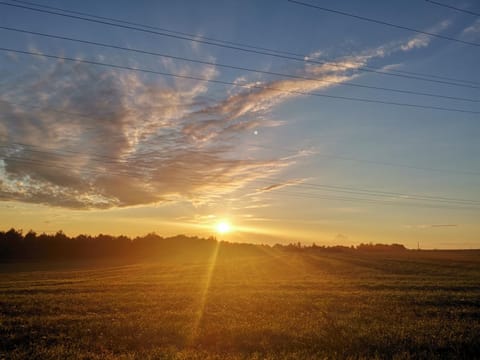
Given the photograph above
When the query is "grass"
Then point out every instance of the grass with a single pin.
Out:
(270, 305)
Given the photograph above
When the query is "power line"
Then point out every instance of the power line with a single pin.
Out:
(46, 163)
(196, 36)
(337, 157)
(272, 53)
(465, 204)
(308, 195)
(453, 7)
(375, 162)
(56, 152)
(311, 186)
(404, 196)
(221, 82)
(381, 22)
(411, 92)
(374, 202)
(102, 115)
(158, 28)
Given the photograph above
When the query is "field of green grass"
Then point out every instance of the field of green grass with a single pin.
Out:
(267, 305)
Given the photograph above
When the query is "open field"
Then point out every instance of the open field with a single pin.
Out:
(269, 304)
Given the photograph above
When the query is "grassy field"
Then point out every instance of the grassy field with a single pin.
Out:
(270, 305)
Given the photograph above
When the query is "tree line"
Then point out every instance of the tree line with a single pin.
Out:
(15, 245)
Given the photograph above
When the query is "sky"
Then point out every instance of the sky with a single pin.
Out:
(290, 122)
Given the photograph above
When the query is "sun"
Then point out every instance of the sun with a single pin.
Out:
(223, 227)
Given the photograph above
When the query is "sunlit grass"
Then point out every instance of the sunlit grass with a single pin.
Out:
(269, 305)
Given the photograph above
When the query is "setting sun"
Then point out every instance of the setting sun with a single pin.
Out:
(223, 227)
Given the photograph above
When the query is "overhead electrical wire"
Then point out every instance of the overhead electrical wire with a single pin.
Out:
(116, 161)
(107, 160)
(249, 86)
(382, 22)
(281, 191)
(403, 196)
(196, 36)
(99, 116)
(272, 53)
(375, 162)
(276, 148)
(374, 202)
(291, 76)
(155, 27)
(453, 7)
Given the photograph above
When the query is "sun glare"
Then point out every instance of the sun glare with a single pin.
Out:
(223, 227)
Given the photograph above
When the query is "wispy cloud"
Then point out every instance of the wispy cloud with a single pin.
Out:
(472, 31)
(430, 226)
(423, 40)
(281, 185)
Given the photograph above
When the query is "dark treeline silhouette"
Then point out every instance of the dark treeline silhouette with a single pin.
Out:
(15, 245)
(370, 247)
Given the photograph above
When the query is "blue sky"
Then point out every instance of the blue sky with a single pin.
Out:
(171, 155)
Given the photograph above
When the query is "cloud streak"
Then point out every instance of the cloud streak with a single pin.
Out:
(278, 186)
(473, 30)
(431, 226)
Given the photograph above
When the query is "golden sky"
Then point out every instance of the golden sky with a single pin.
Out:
(173, 135)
